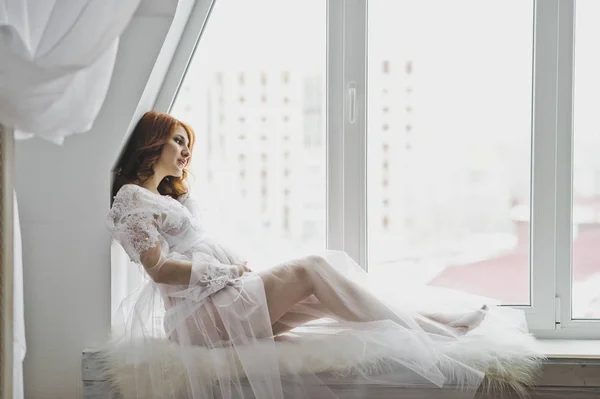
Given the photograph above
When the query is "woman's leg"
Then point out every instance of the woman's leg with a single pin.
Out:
(284, 287)
(290, 283)
(461, 322)
(301, 313)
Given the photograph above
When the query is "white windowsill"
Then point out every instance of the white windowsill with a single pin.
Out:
(571, 348)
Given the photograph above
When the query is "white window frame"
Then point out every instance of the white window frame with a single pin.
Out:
(347, 127)
(549, 314)
(541, 314)
(184, 54)
(566, 326)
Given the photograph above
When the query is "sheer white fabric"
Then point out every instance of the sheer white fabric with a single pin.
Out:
(57, 61)
(219, 309)
(19, 344)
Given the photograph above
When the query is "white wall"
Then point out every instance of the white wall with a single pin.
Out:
(63, 195)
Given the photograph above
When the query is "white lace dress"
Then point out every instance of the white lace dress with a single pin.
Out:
(140, 220)
(218, 309)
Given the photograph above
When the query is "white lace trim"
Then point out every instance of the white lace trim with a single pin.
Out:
(132, 222)
(216, 276)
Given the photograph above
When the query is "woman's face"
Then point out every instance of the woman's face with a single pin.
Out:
(175, 154)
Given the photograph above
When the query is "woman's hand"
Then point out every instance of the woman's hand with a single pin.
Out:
(242, 268)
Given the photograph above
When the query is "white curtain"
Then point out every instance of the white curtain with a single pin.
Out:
(56, 62)
(125, 278)
(19, 346)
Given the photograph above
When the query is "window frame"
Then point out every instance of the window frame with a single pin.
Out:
(346, 128)
(549, 313)
(567, 327)
(541, 314)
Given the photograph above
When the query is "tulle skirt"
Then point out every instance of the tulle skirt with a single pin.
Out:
(182, 342)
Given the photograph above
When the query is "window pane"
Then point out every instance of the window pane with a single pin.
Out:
(255, 95)
(449, 144)
(586, 174)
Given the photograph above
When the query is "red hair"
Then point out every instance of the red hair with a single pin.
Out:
(143, 150)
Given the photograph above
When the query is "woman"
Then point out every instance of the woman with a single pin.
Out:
(211, 298)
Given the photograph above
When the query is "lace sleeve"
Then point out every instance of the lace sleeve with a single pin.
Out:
(133, 223)
(207, 271)
(207, 277)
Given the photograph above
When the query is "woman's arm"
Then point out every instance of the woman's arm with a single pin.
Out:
(183, 272)
(166, 271)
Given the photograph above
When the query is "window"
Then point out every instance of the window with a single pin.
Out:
(449, 144)
(257, 102)
(585, 275)
(454, 147)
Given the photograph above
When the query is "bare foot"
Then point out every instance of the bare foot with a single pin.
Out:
(464, 323)
(469, 321)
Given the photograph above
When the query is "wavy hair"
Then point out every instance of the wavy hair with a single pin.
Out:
(142, 151)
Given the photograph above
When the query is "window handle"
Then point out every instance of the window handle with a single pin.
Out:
(351, 102)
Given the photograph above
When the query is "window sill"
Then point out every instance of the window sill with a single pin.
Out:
(576, 349)
(572, 370)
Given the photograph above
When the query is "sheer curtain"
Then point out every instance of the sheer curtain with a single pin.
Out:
(125, 278)
(57, 61)
(19, 345)
(57, 58)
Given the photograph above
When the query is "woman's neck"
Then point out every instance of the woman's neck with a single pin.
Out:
(151, 183)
